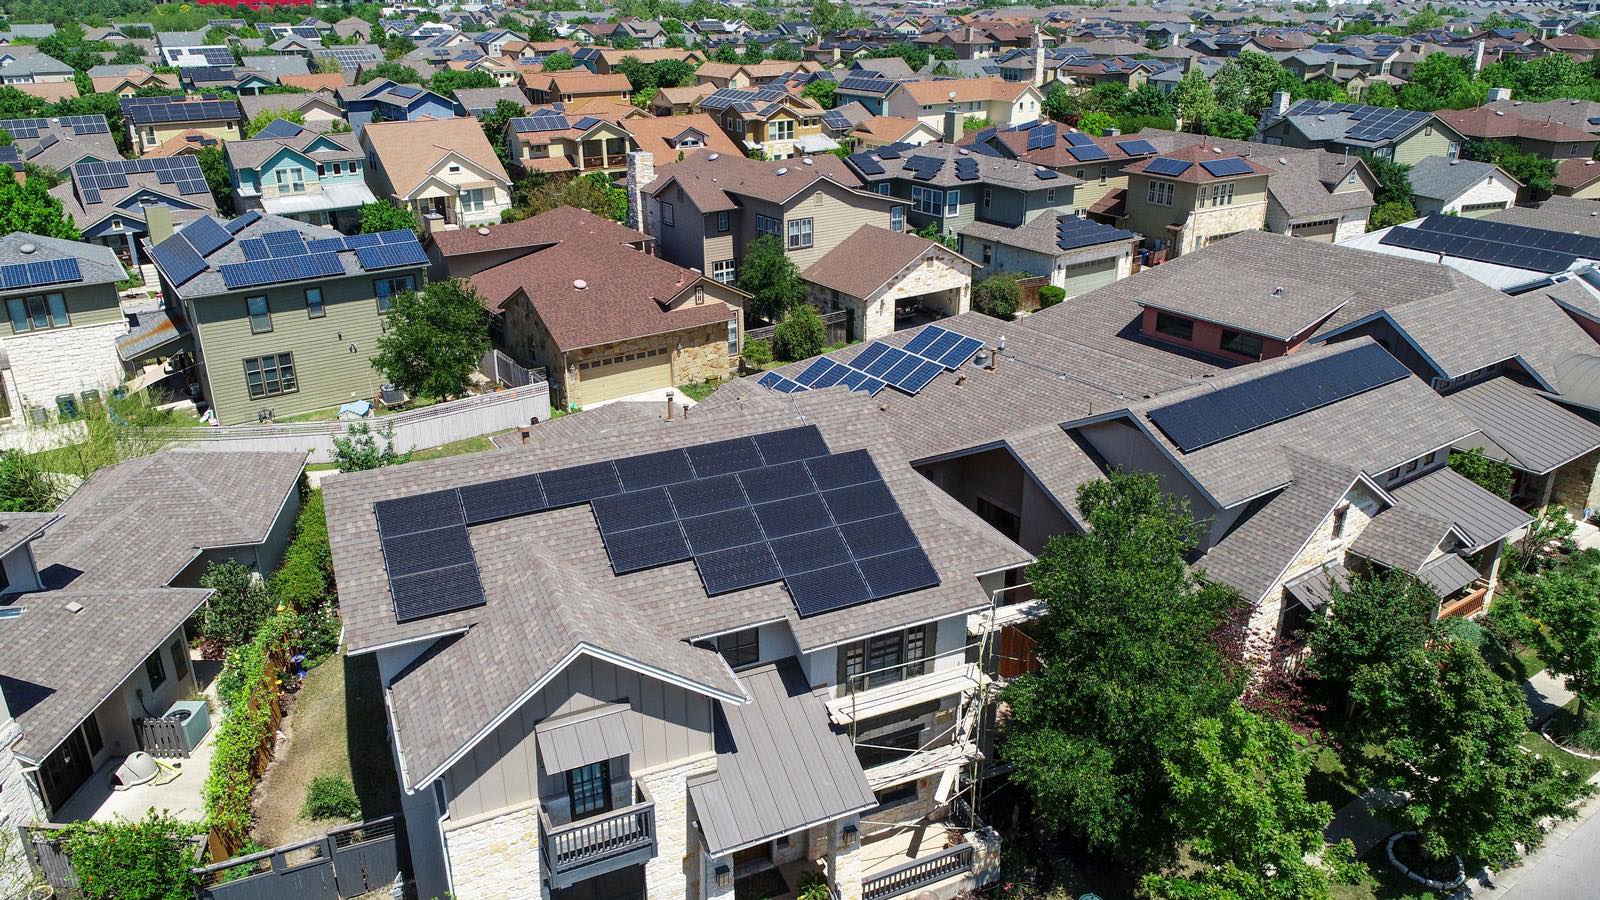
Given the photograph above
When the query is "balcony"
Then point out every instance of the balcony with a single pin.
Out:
(599, 844)
(598, 163)
(1469, 602)
(912, 685)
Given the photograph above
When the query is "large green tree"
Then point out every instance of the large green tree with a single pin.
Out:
(1374, 622)
(386, 215)
(1534, 171)
(1128, 670)
(771, 278)
(433, 339)
(446, 82)
(1561, 612)
(29, 207)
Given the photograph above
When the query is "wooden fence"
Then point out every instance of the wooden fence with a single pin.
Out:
(1029, 301)
(221, 843)
(838, 325)
(163, 738)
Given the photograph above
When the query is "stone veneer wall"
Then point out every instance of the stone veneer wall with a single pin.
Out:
(497, 858)
(1208, 223)
(56, 361)
(674, 872)
(1322, 547)
(1576, 487)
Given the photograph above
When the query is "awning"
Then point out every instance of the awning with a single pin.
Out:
(578, 739)
(816, 143)
(332, 196)
(1448, 574)
(1314, 589)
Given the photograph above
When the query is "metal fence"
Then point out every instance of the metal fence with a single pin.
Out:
(838, 325)
(918, 873)
(503, 370)
(346, 862)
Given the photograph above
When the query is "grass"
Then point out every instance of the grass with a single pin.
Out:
(1538, 743)
(454, 448)
(699, 390)
(1329, 782)
(331, 413)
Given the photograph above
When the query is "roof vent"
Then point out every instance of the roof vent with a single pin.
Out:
(27, 248)
(712, 155)
(1277, 292)
(1282, 161)
(1499, 112)
(579, 284)
(484, 230)
(74, 607)
(782, 170)
(964, 151)
(807, 162)
(1216, 149)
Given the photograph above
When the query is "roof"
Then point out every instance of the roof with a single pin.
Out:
(1480, 517)
(257, 151)
(870, 259)
(889, 128)
(944, 161)
(1307, 184)
(1196, 172)
(409, 152)
(319, 81)
(712, 180)
(97, 263)
(550, 227)
(487, 98)
(966, 90)
(169, 110)
(1043, 235)
(1402, 538)
(781, 766)
(655, 134)
(578, 82)
(17, 528)
(1537, 434)
(1490, 122)
(1437, 178)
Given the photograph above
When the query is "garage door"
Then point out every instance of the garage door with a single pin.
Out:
(1317, 231)
(618, 376)
(1085, 277)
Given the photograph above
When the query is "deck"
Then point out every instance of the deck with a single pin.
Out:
(889, 698)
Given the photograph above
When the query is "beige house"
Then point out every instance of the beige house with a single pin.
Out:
(881, 277)
(577, 88)
(551, 141)
(1003, 103)
(125, 81)
(880, 131)
(154, 121)
(442, 169)
(1189, 198)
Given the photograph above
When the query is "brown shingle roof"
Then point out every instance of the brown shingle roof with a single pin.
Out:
(867, 260)
(408, 151)
(965, 89)
(552, 227)
(712, 183)
(1196, 174)
(1482, 122)
(652, 134)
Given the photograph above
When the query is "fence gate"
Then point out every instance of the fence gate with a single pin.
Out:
(346, 862)
(44, 848)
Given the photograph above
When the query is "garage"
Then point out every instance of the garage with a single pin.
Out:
(1316, 231)
(610, 377)
(1081, 278)
(1479, 210)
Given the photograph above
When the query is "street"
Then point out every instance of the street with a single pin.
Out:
(1568, 869)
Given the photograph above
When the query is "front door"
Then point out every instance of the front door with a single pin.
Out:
(65, 770)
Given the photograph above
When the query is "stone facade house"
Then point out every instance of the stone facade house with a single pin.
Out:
(1078, 254)
(1190, 198)
(881, 277)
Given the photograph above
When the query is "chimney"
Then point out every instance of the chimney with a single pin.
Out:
(1038, 59)
(953, 122)
(1499, 93)
(158, 222)
(641, 171)
(1477, 58)
(1280, 102)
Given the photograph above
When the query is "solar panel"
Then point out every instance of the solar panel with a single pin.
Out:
(855, 502)
(776, 382)
(254, 249)
(1073, 232)
(388, 256)
(898, 573)
(828, 589)
(967, 169)
(635, 509)
(579, 484)
(842, 469)
(1221, 168)
(1042, 136)
(1079, 139)
(1165, 166)
(707, 495)
(720, 530)
(776, 482)
(837, 120)
(1136, 148)
(1088, 153)
(1515, 256)
(494, 500)
(418, 512)
(207, 235)
(244, 221)
(1044, 174)
(646, 548)
(280, 269)
(439, 591)
(1519, 235)
(875, 537)
(737, 568)
(177, 257)
(722, 457)
(438, 548)
(654, 470)
(1216, 416)
(809, 551)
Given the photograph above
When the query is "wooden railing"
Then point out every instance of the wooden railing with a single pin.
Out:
(918, 873)
(162, 738)
(1469, 605)
(588, 841)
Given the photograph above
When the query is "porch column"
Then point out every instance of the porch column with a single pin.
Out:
(133, 249)
(844, 857)
(1494, 575)
(580, 156)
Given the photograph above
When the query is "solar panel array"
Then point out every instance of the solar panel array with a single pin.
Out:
(1041, 137)
(1045, 174)
(1073, 232)
(866, 84)
(924, 168)
(837, 120)
(1087, 153)
(28, 129)
(45, 143)
(142, 111)
(1372, 123)
(866, 163)
(10, 157)
(1528, 248)
(1168, 167)
(207, 235)
(278, 128)
(967, 169)
(39, 273)
(183, 172)
(778, 506)
(1240, 408)
(349, 58)
(1136, 148)
(1230, 165)
(280, 269)
(178, 258)
(550, 120)
(879, 365)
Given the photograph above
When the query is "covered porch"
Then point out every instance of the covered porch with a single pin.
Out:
(889, 280)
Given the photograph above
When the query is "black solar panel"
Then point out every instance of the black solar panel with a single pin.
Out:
(207, 235)
(419, 512)
(408, 554)
(810, 550)
(1044, 174)
(624, 512)
(867, 500)
(1535, 259)
(873, 537)
(646, 548)
(866, 164)
(1079, 139)
(1088, 153)
(654, 470)
(707, 495)
(967, 169)
(1168, 167)
(792, 516)
(579, 484)
(1221, 168)
(496, 500)
(841, 469)
(722, 457)
(791, 444)
(1136, 148)
(737, 568)
(778, 482)
(1073, 232)
(1519, 235)
(439, 591)
(825, 590)
(898, 573)
(178, 259)
(720, 530)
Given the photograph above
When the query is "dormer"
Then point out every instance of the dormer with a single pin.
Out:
(19, 573)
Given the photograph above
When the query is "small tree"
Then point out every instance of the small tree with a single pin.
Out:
(1393, 213)
(385, 215)
(494, 126)
(359, 450)
(1096, 123)
(1563, 611)
(998, 296)
(800, 335)
(770, 277)
(446, 82)
(238, 605)
(135, 859)
(1375, 621)
(1492, 475)
(822, 91)
(434, 339)
(399, 74)
(558, 62)
(1058, 102)
(219, 178)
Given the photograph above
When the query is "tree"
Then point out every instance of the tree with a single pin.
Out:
(359, 451)
(446, 82)
(770, 277)
(434, 339)
(399, 74)
(6, 139)
(726, 54)
(1192, 99)
(1059, 104)
(1229, 123)
(494, 126)
(1392, 213)
(29, 207)
(386, 215)
(540, 193)
(1096, 123)
(239, 604)
(14, 104)
(1439, 80)
(558, 62)
(998, 295)
(1563, 613)
(1394, 180)
(1380, 93)
(1492, 475)
(800, 335)
(822, 91)
(1127, 670)
(1533, 170)
(1425, 19)
(1374, 622)
(134, 859)
(1239, 792)
(267, 116)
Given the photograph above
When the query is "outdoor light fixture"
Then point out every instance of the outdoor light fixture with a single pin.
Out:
(724, 875)
(850, 835)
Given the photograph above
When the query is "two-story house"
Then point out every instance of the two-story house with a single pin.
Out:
(116, 202)
(1402, 135)
(300, 174)
(1001, 103)
(153, 121)
(62, 322)
(443, 169)
(319, 108)
(769, 119)
(62, 142)
(1098, 163)
(284, 316)
(1188, 198)
(550, 140)
(382, 100)
(576, 89)
(126, 80)
(1546, 138)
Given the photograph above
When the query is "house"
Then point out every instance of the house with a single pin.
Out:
(881, 131)
(300, 174)
(553, 141)
(1461, 187)
(320, 82)
(1528, 258)
(468, 251)
(678, 101)
(1583, 115)
(703, 212)
(62, 142)
(748, 75)
(1403, 136)
(1545, 138)
(153, 121)
(116, 202)
(95, 618)
(382, 100)
(605, 61)
(181, 56)
(1188, 198)
(671, 136)
(241, 82)
(576, 89)
(443, 169)
(1579, 178)
(63, 321)
(125, 80)
(350, 58)
(607, 320)
(1098, 163)
(727, 673)
(769, 119)
(887, 280)
(1077, 254)
(20, 70)
(272, 339)
(480, 102)
(1001, 103)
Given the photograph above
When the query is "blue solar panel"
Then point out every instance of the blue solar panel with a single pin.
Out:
(1168, 167)
(1216, 416)
(254, 249)
(1088, 153)
(326, 245)
(1044, 174)
(1231, 165)
(177, 257)
(1041, 137)
(244, 221)
(865, 164)
(967, 169)
(1079, 139)
(723, 457)
(828, 589)
(1136, 148)
(207, 235)
(1073, 232)
(388, 256)
(737, 568)
(654, 470)
(42, 272)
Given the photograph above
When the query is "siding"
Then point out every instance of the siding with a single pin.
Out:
(504, 769)
(682, 243)
(837, 214)
(328, 372)
(1422, 144)
(92, 305)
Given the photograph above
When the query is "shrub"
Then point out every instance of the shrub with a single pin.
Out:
(331, 797)
(757, 353)
(319, 634)
(1050, 295)
(359, 450)
(800, 334)
(134, 859)
(24, 486)
(237, 607)
(303, 582)
(998, 296)
(245, 727)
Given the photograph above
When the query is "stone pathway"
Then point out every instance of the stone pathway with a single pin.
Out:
(1546, 694)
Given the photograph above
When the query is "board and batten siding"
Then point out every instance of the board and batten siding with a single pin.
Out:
(327, 370)
(503, 770)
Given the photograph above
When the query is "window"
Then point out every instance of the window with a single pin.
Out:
(1241, 343)
(314, 307)
(180, 659)
(1221, 195)
(1159, 193)
(768, 225)
(733, 337)
(291, 180)
(29, 313)
(1105, 172)
(666, 214)
(897, 218)
(781, 130)
(155, 670)
(92, 737)
(1174, 326)
(589, 789)
(472, 200)
(952, 202)
(740, 649)
(271, 375)
(260, 315)
(1339, 517)
(724, 272)
(799, 233)
(1080, 174)
(384, 288)
(723, 222)
(321, 170)
(1412, 466)
(884, 187)
(884, 659)
(1431, 458)
(1050, 196)
(925, 200)
(988, 197)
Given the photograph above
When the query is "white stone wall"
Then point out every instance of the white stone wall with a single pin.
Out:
(1495, 188)
(675, 869)
(1353, 225)
(19, 803)
(1322, 547)
(845, 862)
(496, 859)
(61, 361)
(1203, 225)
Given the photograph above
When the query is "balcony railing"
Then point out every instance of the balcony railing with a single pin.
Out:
(1468, 604)
(600, 844)
(610, 161)
(918, 873)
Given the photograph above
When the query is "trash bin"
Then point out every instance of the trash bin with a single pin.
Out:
(67, 406)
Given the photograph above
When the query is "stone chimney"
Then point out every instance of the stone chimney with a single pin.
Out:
(641, 171)
(158, 222)
(954, 123)
(1477, 57)
(1038, 59)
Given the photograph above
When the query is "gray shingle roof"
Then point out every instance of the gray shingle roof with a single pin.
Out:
(1437, 178)
(99, 264)
(1042, 236)
(1303, 182)
(1538, 434)
(1401, 538)
(1477, 514)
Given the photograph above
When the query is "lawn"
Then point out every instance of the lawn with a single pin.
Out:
(699, 390)
(335, 727)
(1328, 781)
(1538, 743)
(475, 444)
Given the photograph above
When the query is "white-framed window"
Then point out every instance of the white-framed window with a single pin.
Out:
(723, 271)
(733, 337)
(291, 180)
(769, 225)
(666, 214)
(270, 375)
(884, 187)
(1050, 195)
(897, 218)
(780, 130)
(384, 288)
(952, 202)
(799, 233)
(926, 200)
(472, 200)
(1159, 193)
(1105, 172)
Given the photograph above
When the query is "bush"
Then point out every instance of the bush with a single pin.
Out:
(134, 859)
(800, 334)
(359, 450)
(244, 729)
(1050, 295)
(331, 797)
(304, 580)
(238, 606)
(757, 353)
(24, 486)
(319, 634)
(998, 296)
